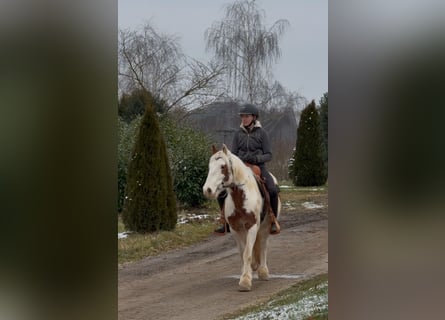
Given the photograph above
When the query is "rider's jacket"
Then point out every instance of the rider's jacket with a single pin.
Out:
(253, 141)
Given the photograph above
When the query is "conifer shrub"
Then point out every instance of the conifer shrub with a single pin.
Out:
(132, 105)
(308, 167)
(126, 139)
(324, 130)
(150, 203)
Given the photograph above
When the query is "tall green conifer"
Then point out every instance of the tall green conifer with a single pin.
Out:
(308, 168)
(324, 130)
(150, 203)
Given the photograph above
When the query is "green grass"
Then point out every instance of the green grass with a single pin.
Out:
(120, 225)
(138, 246)
(297, 294)
(292, 198)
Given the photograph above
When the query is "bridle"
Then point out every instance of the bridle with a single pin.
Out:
(232, 184)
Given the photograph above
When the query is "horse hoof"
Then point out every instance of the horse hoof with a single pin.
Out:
(263, 274)
(245, 285)
(244, 289)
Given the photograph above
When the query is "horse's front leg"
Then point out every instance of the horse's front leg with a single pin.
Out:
(245, 283)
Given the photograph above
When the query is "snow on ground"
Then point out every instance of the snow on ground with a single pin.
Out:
(301, 309)
(182, 219)
(311, 205)
(123, 235)
(189, 217)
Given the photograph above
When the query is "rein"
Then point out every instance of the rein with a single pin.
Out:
(232, 185)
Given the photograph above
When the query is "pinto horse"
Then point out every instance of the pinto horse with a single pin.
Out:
(242, 211)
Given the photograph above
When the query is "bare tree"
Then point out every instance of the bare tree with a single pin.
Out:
(148, 60)
(155, 62)
(273, 96)
(246, 47)
(199, 86)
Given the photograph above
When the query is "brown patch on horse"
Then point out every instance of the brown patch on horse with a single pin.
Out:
(225, 172)
(240, 218)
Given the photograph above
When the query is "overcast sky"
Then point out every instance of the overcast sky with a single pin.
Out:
(303, 66)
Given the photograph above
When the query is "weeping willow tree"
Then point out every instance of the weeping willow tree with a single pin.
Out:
(246, 47)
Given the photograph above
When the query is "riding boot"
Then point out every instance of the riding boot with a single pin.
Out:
(222, 229)
(225, 226)
(274, 228)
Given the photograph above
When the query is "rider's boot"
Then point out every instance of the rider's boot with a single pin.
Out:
(221, 230)
(274, 228)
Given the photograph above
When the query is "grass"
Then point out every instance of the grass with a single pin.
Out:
(292, 198)
(307, 300)
(138, 246)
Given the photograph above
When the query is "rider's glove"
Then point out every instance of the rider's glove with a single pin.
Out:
(250, 159)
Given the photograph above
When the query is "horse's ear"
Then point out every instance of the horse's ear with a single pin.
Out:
(214, 149)
(224, 148)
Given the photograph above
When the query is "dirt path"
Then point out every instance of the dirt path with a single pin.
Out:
(201, 282)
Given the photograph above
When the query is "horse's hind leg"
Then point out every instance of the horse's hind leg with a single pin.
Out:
(256, 258)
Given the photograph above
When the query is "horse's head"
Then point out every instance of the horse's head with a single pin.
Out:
(220, 172)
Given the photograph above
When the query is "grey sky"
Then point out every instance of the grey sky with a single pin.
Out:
(303, 66)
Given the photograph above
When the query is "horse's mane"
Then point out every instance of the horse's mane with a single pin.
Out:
(240, 171)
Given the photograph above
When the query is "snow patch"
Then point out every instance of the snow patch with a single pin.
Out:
(311, 205)
(299, 310)
(192, 217)
(123, 235)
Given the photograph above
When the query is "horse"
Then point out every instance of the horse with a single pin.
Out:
(242, 211)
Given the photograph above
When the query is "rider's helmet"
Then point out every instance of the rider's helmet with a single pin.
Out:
(248, 108)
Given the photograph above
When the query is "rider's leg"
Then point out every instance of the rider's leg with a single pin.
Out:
(273, 196)
(225, 226)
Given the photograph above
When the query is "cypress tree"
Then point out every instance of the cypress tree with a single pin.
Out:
(132, 105)
(324, 130)
(150, 203)
(169, 219)
(308, 162)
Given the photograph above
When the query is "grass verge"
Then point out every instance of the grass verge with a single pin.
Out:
(138, 246)
(306, 300)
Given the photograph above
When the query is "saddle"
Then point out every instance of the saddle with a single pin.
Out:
(267, 208)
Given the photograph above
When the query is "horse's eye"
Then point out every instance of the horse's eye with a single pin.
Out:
(223, 166)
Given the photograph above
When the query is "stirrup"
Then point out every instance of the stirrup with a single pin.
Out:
(222, 230)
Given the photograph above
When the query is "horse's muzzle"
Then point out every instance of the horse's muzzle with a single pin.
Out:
(209, 193)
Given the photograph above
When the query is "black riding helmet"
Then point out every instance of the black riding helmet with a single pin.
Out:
(249, 109)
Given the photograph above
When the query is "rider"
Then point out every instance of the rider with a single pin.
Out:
(251, 145)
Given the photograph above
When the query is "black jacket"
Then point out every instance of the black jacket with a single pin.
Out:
(255, 142)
